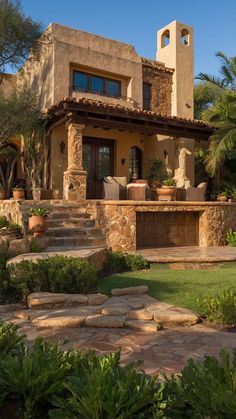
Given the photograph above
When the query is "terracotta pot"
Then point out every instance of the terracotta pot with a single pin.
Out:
(222, 198)
(166, 193)
(18, 193)
(38, 225)
(2, 194)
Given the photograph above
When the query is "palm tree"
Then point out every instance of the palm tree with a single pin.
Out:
(222, 116)
(227, 77)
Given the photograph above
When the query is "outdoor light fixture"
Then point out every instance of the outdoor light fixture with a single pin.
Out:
(62, 147)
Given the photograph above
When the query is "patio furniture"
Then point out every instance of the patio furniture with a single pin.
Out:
(137, 190)
(196, 194)
(115, 188)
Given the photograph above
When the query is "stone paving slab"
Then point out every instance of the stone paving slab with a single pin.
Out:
(193, 254)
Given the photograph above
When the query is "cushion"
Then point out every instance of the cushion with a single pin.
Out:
(121, 180)
(110, 179)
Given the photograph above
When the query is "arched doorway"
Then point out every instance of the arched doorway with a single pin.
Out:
(135, 163)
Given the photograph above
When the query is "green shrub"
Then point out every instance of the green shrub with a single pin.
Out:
(16, 229)
(205, 390)
(3, 221)
(121, 262)
(55, 274)
(100, 388)
(31, 379)
(34, 246)
(220, 309)
(231, 238)
(10, 341)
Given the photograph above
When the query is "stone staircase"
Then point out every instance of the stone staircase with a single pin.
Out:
(70, 227)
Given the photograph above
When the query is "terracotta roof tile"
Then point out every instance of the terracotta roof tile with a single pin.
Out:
(97, 104)
(156, 65)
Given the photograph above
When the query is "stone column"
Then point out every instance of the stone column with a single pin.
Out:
(74, 180)
(181, 165)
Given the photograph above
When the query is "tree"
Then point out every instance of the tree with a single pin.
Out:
(227, 75)
(19, 36)
(205, 95)
(20, 117)
(223, 141)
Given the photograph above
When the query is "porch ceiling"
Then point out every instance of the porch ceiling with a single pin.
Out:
(109, 116)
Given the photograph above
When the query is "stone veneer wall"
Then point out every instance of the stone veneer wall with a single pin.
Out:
(117, 219)
(15, 212)
(161, 87)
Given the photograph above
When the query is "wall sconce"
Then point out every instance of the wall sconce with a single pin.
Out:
(62, 147)
(122, 162)
(165, 154)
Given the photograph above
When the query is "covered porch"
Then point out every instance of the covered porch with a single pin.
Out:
(90, 140)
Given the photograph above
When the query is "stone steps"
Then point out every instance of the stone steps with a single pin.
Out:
(70, 222)
(73, 231)
(70, 241)
(131, 308)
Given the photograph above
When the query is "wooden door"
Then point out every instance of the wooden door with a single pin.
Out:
(166, 229)
(98, 161)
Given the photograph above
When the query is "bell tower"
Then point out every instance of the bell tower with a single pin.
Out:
(175, 50)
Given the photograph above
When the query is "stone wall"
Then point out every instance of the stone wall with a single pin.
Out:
(117, 219)
(15, 211)
(161, 87)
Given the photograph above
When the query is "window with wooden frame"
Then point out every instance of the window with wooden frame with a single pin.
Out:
(147, 95)
(91, 83)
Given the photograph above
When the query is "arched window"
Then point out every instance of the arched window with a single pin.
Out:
(165, 38)
(185, 37)
(135, 163)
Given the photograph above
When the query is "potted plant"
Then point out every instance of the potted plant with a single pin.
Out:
(37, 221)
(222, 196)
(168, 190)
(2, 192)
(18, 192)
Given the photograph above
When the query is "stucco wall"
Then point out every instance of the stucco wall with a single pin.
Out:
(7, 84)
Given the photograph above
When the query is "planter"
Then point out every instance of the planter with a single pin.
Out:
(166, 193)
(2, 194)
(18, 193)
(56, 193)
(36, 192)
(46, 194)
(38, 225)
(222, 198)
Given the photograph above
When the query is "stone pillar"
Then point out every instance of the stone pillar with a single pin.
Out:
(74, 180)
(181, 165)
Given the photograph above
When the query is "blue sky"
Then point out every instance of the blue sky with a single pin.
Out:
(136, 22)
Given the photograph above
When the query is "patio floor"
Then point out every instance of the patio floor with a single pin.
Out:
(189, 254)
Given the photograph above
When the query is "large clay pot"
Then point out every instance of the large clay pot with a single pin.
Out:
(166, 193)
(38, 225)
(18, 193)
(2, 194)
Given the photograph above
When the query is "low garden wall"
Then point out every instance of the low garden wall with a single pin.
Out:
(117, 219)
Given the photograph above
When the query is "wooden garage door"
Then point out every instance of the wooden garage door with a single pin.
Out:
(164, 229)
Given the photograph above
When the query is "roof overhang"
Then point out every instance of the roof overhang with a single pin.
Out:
(107, 116)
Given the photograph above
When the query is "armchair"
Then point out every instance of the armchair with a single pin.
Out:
(196, 194)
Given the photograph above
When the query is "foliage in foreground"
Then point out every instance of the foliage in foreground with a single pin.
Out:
(221, 308)
(44, 381)
(55, 274)
(231, 238)
(122, 262)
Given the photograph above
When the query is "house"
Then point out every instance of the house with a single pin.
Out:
(111, 112)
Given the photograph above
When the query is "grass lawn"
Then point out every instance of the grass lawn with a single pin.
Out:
(181, 288)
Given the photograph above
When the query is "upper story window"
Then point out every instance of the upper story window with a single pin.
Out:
(92, 83)
(147, 95)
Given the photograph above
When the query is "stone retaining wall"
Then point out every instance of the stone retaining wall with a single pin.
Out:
(117, 219)
(15, 212)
